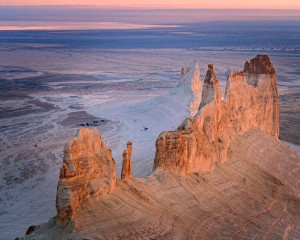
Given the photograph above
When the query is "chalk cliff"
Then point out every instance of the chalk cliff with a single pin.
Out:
(251, 101)
(190, 85)
(196, 87)
(88, 169)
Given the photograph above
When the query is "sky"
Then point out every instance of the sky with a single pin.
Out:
(216, 4)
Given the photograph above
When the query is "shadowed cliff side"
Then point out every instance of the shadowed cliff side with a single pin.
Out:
(251, 101)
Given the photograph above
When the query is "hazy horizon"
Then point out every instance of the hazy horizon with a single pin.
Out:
(95, 18)
(161, 7)
(166, 4)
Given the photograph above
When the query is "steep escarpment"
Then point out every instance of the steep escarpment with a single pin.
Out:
(251, 101)
(88, 169)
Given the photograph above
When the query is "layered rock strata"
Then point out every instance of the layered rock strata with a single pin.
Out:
(88, 169)
(251, 101)
(126, 164)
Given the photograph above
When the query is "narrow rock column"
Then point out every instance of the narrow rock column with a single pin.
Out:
(182, 71)
(126, 165)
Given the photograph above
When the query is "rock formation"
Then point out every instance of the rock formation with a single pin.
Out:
(251, 101)
(31, 229)
(253, 194)
(211, 88)
(126, 164)
(261, 64)
(182, 71)
(88, 169)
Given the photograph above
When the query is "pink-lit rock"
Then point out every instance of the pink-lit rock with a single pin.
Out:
(88, 169)
(251, 101)
(126, 164)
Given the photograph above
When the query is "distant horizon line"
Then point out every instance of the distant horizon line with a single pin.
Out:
(152, 7)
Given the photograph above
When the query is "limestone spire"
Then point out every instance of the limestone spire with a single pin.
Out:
(126, 165)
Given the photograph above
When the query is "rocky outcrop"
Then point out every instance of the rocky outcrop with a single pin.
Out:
(261, 64)
(182, 71)
(251, 101)
(88, 169)
(126, 164)
(211, 88)
(31, 229)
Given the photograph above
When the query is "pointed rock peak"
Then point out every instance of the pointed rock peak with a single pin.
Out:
(261, 64)
(126, 165)
(210, 78)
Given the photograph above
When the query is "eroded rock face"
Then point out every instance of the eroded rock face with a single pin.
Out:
(251, 101)
(126, 164)
(88, 169)
(211, 87)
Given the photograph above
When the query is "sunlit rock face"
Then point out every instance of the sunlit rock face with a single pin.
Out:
(88, 169)
(261, 64)
(126, 164)
(251, 101)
